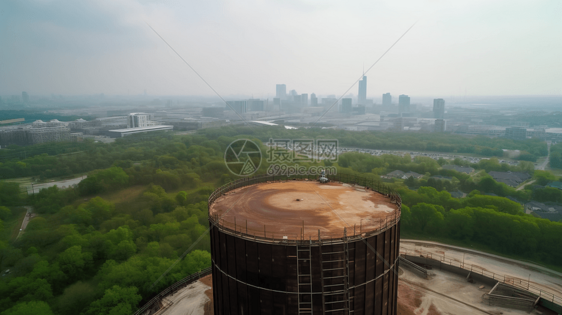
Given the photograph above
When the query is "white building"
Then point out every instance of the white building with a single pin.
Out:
(138, 120)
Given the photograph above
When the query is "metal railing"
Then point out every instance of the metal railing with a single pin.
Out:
(172, 289)
(510, 280)
(364, 228)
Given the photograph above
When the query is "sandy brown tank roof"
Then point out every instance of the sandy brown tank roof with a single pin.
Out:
(283, 206)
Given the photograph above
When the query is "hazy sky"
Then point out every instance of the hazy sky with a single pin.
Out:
(477, 47)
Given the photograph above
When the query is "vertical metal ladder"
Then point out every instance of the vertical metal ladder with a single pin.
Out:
(304, 278)
(335, 279)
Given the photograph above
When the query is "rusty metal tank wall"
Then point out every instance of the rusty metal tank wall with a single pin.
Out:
(261, 276)
(251, 277)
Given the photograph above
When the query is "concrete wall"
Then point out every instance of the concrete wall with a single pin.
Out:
(456, 270)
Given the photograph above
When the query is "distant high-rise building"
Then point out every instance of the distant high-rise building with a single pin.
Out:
(237, 106)
(362, 95)
(297, 99)
(304, 99)
(439, 108)
(346, 105)
(276, 101)
(292, 95)
(137, 120)
(440, 125)
(386, 99)
(329, 101)
(281, 91)
(313, 100)
(404, 103)
(24, 97)
(216, 112)
(255, 105)
(359, 110)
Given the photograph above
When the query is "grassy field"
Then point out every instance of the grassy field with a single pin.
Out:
(24, 182)
(13, 224)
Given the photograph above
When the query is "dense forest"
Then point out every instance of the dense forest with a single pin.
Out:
(438, 142)
(38, 161)
(99, 248)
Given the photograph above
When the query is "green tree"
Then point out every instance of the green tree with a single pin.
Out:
(10, 194)
(5, 213)
(460, 224)
(76, 298)
(100, 209)
(29, 308)
(544, 177)
(73, 262)
(116, 301)
(428, 218)
(500, 203)
(181, 198)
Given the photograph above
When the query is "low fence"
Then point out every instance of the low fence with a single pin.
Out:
(404, 262)
(171, 290)
(477, 270)
(507, 296)
(259, 232)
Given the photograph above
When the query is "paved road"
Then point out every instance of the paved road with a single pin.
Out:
(537, 267)
(28, 216)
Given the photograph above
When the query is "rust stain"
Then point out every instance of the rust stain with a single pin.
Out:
(409, 300)
(283, 206)
(208, 308)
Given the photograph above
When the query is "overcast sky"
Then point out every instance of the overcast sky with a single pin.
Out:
(477, 47)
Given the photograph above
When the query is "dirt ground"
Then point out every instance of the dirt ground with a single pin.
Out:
(193, 299)
(546, 281)
(284, 207)
(208, 308)
(444, 293)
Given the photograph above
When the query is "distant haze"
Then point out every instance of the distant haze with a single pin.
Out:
(460, 47)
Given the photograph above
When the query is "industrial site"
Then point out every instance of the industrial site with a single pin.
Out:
(300, 246)
(302, 157)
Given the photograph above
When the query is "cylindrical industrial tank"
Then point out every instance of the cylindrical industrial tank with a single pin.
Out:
(298, 246)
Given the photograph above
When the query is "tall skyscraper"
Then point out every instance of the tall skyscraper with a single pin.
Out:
(281, 91)
(25, 97)
(292, 95)
(313, 100)
(297, 99)
(439, 108)
(346, 105)
(362, 95)
(238, 106)
(404, 104)
(386, 100)
(255, 105)
(304, 99)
